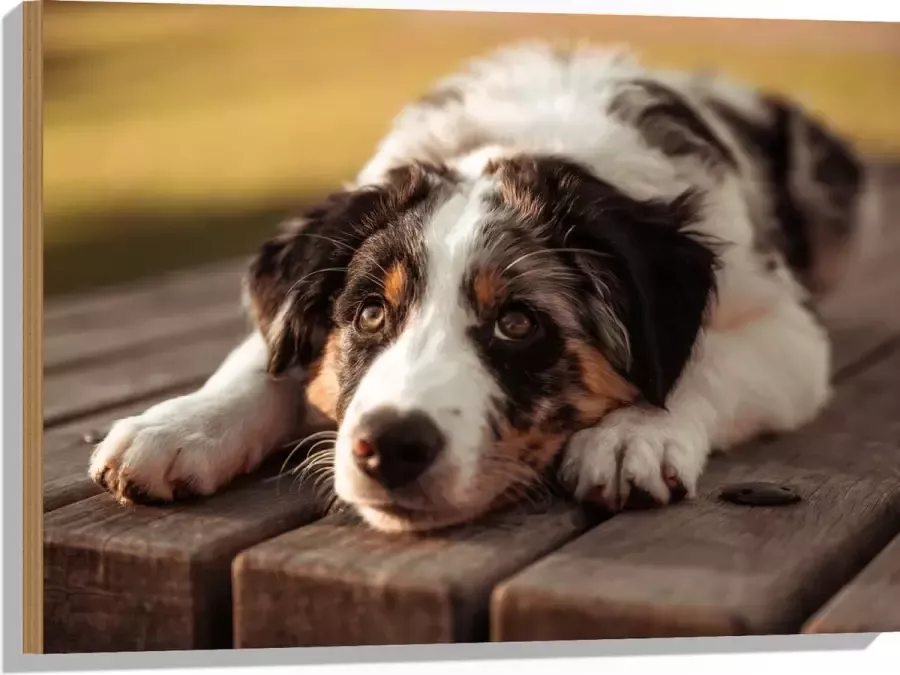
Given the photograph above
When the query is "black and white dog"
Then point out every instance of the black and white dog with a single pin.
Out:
(556, 251)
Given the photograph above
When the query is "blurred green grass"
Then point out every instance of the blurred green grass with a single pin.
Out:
(177, 134)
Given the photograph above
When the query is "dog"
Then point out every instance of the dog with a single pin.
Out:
(558, 260)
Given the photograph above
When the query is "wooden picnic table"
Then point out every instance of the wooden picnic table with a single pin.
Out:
(258, 565)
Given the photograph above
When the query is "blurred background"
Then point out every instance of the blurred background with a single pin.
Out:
(179, 134)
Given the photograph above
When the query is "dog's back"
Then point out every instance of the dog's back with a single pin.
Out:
(659, 130)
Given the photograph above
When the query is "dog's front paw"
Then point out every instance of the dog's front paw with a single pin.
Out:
(649, 456)
(182, 447)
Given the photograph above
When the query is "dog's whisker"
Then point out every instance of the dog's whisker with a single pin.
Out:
(312, 458)
(318, 271)
(302, 442)
(347, 247)
(339, 244)
(322, 481)
(310, 469)
(586, 251)
(320, 455)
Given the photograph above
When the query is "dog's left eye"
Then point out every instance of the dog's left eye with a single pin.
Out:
(371, 316)
(515, 324)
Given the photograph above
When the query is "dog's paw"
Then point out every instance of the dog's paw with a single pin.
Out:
(182, 447)
(649, 456)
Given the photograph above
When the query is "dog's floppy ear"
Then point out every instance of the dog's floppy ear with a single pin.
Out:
(663, 276)
(295, 277)
(292, 280)
(666, 277)
(658, 277)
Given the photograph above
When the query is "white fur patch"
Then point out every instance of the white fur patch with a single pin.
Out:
(203, 440)
(432, 366)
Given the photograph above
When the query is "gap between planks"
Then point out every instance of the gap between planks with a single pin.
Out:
(145, 579)
(74, 394)
(146, 317)
(870, 603)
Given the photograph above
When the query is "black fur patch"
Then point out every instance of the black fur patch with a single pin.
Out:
(307, 266)
(833, 176)
(441, 97)
(661, 276)
(668, 122)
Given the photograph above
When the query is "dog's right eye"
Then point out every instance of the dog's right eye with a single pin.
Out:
(517, 324)
(371, 316)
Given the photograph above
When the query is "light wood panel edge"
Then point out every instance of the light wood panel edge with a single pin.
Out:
(32, 319)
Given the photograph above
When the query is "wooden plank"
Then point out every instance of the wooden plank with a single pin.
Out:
(339, 583)
(67, 453)
(118, 336)
(712, 568)
(868, 604)
(155, 578)
(208, 283)
(103, 324)
(71, 394)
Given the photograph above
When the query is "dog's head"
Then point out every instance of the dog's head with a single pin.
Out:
(469, 327)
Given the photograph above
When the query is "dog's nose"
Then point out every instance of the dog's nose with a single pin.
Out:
(394, 448)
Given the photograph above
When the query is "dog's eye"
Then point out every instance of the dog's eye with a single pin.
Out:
(371, 317)
(515, 324)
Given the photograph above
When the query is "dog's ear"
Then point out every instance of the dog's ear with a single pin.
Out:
(656, 275)
(295, 277)
(818, 181)
(292, 280)
(664, 278)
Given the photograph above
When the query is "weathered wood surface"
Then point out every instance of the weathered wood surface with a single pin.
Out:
(154, 295)
(100, 325)
(132, 377)
(335, 583)
(153, 578)
(868, 604)
(253, 567)
(143, 578)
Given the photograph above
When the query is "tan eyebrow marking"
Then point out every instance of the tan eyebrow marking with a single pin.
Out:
(489, 287)
(395, 283)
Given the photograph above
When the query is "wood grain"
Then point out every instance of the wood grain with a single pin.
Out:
(67, 453)
(121, 337)
(338, 583)
(133, 377)
(156, 314)
(713, 568)
(146, 296)
(155, 578)
(870, 603)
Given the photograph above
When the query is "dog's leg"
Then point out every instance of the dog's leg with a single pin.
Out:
(770, 374)
(195, 444)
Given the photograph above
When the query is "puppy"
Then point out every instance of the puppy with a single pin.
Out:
(555, 251)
